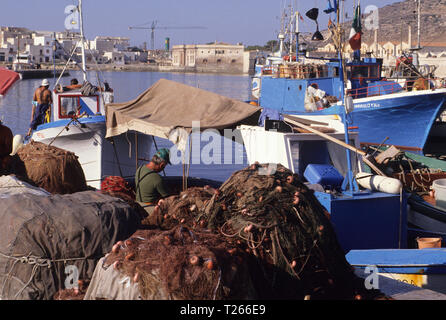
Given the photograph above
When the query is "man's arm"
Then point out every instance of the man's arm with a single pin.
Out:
(33, 110)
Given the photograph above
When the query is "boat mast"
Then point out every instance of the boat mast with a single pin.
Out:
(82, 40)
(296, 32)
(419, 25)
(352, 186)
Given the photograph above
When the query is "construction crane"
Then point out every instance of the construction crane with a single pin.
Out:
(154, 26)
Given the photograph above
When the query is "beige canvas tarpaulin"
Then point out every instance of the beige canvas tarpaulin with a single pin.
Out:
(168, 106)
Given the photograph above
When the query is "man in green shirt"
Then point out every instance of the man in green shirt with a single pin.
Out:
(149, 184)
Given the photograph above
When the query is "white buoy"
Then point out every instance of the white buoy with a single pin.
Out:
(17, 143)
(379, 183)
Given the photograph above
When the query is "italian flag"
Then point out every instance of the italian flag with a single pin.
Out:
(355, 33)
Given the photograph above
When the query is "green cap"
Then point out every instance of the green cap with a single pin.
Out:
(163, 153)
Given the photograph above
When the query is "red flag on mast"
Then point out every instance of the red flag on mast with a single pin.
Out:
(356, 31)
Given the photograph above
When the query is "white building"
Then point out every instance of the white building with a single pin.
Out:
(115, 57)
(108, 44)
(7, 55)
(40, 53)
(209, 57)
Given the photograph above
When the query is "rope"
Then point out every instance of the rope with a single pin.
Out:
(116, 155)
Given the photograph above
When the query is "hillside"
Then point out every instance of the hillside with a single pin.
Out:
(395, 19)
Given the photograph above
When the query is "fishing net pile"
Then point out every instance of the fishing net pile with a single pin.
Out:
(415, 176)
(43, 235)
(183, 264)
(73, 294)
(181, 209)
(56, 170)
(261, 220)
(117, 186)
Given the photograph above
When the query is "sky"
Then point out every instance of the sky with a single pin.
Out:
(251, 22)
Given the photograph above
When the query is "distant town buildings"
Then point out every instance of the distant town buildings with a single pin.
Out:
(40, 47)
(46, 47)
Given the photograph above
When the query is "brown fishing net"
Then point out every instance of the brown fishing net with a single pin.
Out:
(181, 209)
(56, 170)
(273, 222)
(280, 221)
(73, 294)
(183, 264)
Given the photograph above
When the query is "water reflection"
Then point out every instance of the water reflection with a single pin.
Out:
(15, 107)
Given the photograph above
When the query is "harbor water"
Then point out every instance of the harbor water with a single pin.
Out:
(15, 112)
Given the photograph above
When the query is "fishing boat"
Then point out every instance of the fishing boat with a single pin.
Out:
(78, 124)
(426, 214)
(304, 85)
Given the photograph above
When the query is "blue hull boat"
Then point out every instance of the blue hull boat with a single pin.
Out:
(383, 110)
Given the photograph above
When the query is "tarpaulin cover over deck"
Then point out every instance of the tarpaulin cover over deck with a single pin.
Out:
(7, 79)
(169, 105)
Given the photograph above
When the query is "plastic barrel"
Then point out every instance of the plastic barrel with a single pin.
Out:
(439, 187)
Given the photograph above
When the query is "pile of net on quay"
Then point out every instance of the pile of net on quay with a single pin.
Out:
(56, 170)
(261, 235)
(50, 242)
(52, 232)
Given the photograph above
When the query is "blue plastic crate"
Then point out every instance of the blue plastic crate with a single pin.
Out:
(323, 174)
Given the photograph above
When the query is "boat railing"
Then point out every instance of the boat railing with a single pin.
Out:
(410, 84)
(296, 71)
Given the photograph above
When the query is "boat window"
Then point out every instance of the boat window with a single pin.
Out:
(336, 72)
(374, 72)
(68, 106)
(359, 72)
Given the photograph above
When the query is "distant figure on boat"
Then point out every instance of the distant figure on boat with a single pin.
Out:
(149, 186)
(41, 108)
(74, 84)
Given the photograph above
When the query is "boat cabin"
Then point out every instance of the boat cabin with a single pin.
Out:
(366, 80)
(69, 103)
(289, 87)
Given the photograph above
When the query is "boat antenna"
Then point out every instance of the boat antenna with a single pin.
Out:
(82, 39)
(347, 102)
(296, 32)
(54, 56)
